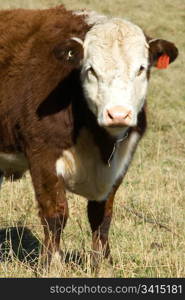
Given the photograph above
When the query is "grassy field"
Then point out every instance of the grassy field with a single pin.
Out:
(148, 229)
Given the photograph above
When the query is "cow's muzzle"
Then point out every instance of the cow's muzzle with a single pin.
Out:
(118, 116)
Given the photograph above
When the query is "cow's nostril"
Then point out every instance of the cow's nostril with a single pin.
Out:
(126, 115)
(110, 115)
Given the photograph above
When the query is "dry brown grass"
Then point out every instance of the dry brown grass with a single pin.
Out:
(154, 187)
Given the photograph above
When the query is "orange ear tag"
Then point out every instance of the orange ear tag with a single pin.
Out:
(163, 61)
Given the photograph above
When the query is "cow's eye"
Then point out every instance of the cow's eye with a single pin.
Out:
(141, 69)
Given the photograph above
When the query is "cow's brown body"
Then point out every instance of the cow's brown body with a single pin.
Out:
(33, 61)
(43, 111)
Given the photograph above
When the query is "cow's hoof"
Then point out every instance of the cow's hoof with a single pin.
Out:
(96, 261)
(47, 262)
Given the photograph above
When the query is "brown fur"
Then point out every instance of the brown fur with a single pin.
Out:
(34, 45)
(30, 68)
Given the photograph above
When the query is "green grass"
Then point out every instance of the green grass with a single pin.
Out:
(153, 189)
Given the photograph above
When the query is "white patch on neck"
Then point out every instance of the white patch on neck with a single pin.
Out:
(86, 174)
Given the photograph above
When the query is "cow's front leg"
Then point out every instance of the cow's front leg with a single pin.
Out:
(53, 208)
(53, 216)
(100, 215)
(100, 219)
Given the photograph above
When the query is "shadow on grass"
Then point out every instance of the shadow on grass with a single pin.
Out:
(20, 243)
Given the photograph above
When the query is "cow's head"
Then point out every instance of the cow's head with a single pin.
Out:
(115, 71)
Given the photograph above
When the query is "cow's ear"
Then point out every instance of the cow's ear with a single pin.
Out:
(70, 51)
(161, 53)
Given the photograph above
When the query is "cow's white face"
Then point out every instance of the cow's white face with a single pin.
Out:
(114, 75)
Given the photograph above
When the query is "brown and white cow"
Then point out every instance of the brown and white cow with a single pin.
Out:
(81, 134)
